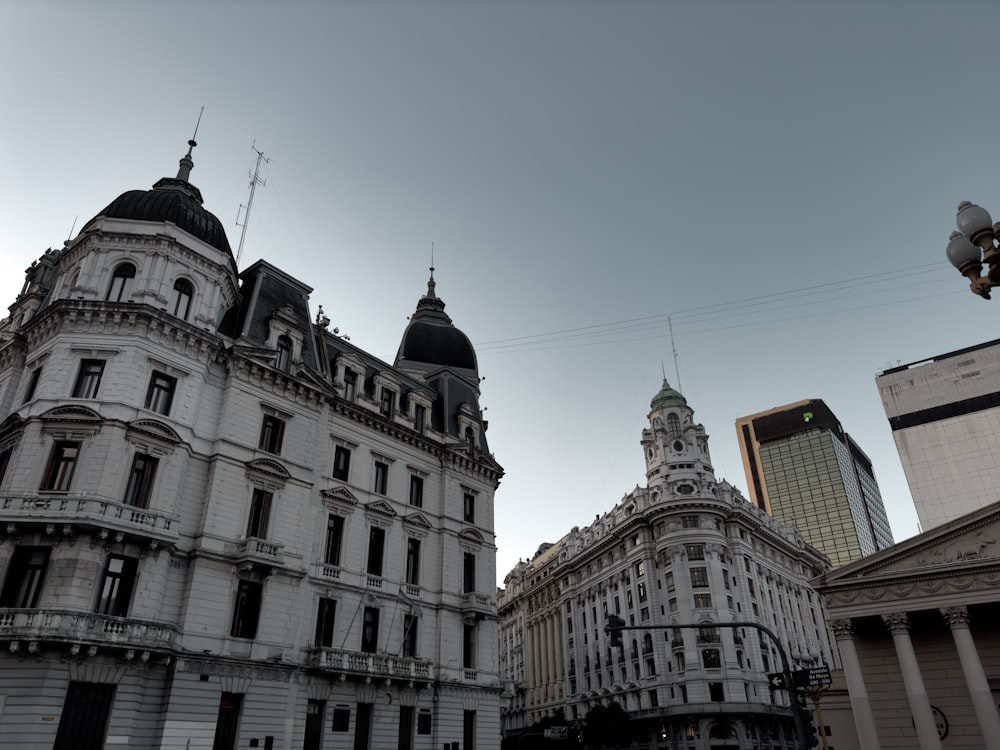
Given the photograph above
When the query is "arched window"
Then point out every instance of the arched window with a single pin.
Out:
(180, 303)
(284, 358)
(673, 424)
(121, 283)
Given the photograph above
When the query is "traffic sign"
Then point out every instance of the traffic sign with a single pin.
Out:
(814, 677)
(776, 680)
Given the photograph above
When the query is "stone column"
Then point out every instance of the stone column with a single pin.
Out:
(916, 693)
(843, 632)
(975, 678)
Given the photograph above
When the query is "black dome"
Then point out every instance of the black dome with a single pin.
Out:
(172, 200)
(430, 338)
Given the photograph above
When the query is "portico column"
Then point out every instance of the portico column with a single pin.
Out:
(843, 632)
(975, 678)
(916, 693)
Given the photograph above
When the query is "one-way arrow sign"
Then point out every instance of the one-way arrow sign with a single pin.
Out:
(776, 680)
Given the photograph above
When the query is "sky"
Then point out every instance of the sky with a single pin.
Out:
(752, 198)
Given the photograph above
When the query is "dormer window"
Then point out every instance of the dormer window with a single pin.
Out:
(388, 402)
(121, 283)
(180, 302)
(350, 385)
(284, 359)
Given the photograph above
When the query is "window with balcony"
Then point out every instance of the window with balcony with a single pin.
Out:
(369, 630)
(413, 561)
(25, 576)
(59, 470)
(88, 380)
(334, 539)
(325, 613)
(117, 585)
(246, 609)
(416, 491)
(341, 463)
(260, 511)
(160, 394)
(140, 480)
(711, 658)
(376, 550)
(468, 572)
(121, 283)
(380, 482)
(272, 432)
(469, 507)
(180, 299)
(410, 629)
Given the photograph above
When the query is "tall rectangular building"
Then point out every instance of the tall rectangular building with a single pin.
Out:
(945, 419)
(804, 470)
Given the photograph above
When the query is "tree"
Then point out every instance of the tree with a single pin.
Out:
(606, 726)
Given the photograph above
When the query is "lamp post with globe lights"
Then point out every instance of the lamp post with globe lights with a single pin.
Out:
(975, 243)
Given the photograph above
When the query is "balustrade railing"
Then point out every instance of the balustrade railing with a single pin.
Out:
(87, 627)
(381, 665)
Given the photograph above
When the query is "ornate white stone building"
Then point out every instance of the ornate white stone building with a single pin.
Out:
(684, 549)
(223, 526)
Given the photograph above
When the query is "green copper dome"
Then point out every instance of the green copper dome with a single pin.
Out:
(667, 397)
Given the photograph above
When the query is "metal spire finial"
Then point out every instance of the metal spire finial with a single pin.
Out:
(187, 163)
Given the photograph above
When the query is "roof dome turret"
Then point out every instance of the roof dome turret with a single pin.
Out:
(667, 397)
(430, 337)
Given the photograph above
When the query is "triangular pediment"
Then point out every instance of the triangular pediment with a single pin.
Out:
(382, 508)
(269, 467)
(417, 519)
(972, 541)
(473, 535)
(340, 495)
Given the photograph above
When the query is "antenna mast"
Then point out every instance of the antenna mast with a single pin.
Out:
(673, 347)
(255, 180)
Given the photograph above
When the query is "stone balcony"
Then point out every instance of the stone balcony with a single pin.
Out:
(85, 631)
(67, 515)
(360, 664)
(258, 552)
(477, 606)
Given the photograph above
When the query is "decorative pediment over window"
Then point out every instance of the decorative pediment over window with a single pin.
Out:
(472, 535)
(417, 519)
(382, 508)
(269, 468)
(77, 414)
(155, 429)
(340, 495)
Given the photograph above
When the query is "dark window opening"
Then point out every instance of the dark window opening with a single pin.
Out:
(121, 283)
(140, 480)
(246, 609)
(59, 471)
(25, 575)
(88, 381)
(376, 550)
(160, 396)
(117, 585)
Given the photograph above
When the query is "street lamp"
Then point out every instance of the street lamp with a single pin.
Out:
(973, 244)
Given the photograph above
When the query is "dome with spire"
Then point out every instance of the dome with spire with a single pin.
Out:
(667, 397)
(172, 199)
(430, 337)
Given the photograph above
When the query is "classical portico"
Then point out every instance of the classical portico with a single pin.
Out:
(916, 628)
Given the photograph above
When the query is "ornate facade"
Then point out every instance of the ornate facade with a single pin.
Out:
(683, 550)
(221, 524)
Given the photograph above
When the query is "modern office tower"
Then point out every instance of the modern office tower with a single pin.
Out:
(945, 419)
(224, 526)
(803, 469)
(685, 549)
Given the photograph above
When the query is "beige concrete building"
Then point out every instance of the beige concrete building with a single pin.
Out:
(916, 627)
(945, 417)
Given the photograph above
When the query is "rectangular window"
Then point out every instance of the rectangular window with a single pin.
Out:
(642, 591)
(341, 463)
(695, 551)
(227, 722)
(117, 585)
(669, 577)
(313, 739)
(413, 561)
(5, 454)
(324, 622)
(83, 723)
(260, 511)
(469, 646)
(89, 379)
(689, 522)
(25, 575)
(246, 610)
(703, 601)
(388, 402)
(711, 659)
(376, 550)
(341, 719)
(29, 392)
(469, 507)
(363, 727)
(350, 385)
(419, 417)
(672, 603)
(469, 572)
(334, 539)
(140, 480)
(272, 432)
(469, 730)
(699, 578)
(410, 629)
(381, 483)
(160, 395)
(59, 471)
(715, 692)
(424, 721)
(416, 491)
(369, 630)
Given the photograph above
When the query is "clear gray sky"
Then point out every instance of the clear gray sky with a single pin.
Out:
(778, 179)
